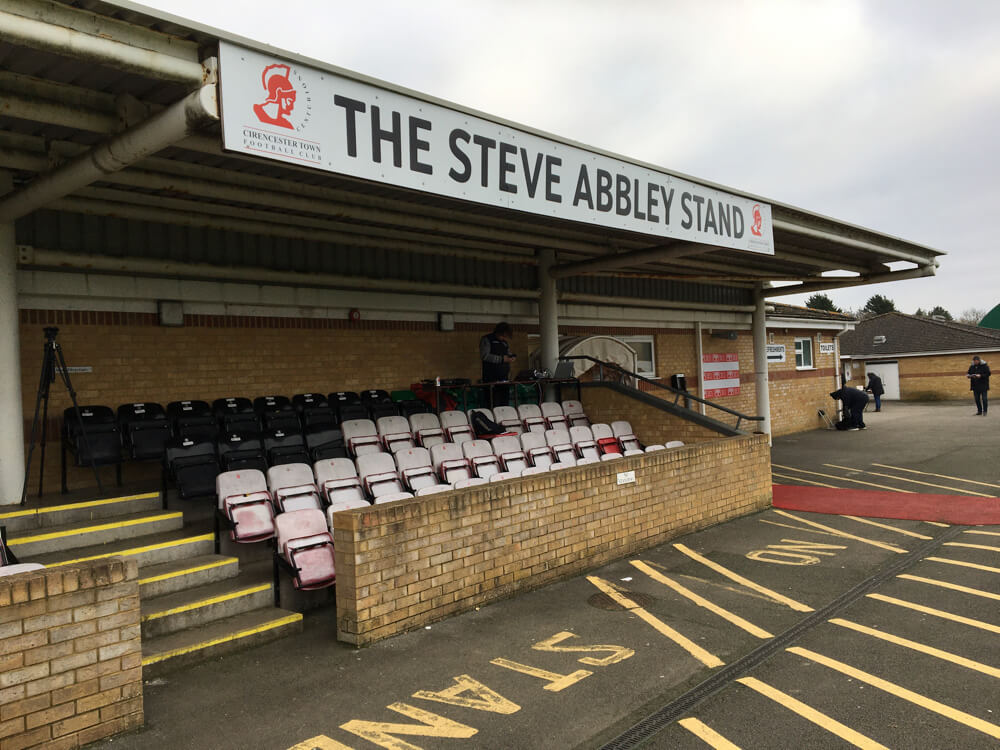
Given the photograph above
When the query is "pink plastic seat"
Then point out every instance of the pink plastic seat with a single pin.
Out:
(426, 428)
(415, 468)
(338, 480)
(605, 438)
(574, 413)
(534, 446)
(394, 432)
(378, 474)
(626, 435)
(583, 442)
(531, 417)
(508, 449)
(361, 437)
(450, 462)
(484, 462)
(293, 487)
(245, 502)
(305, 545)
(456, 426)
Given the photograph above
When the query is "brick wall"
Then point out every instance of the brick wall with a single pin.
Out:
(939, 377)
(798, 395)
(651, 425)
(402, 565)
(70, 661)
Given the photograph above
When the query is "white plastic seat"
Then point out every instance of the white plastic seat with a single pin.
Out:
(583, 441)
(426, 429)
(245, 501)
(481, 457)
(574, 413)
(569, 463)
(415, 468)
(506, 417)
(293, 487)
(450, 462)
(530, 470)
(394, 432)
(531, 417)
(611, 456)
(344, 504)
(537, 450)
(654, 447)
(587, 460)
(626, 435)
(461, 484)
(502, 475)
(392, 497)
(306, 545)
(675, 444)
(433, 489)
(605, 438)
(338, 480)
(456, 426)
(554, 417)
(360, 437)
(378, 474)
(633, 452)
(561, 444)
(508, 450)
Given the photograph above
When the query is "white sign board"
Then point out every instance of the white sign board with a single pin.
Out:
(721, 374)
(309, 117)
(826, 348)
(626, 477)
(775, 352)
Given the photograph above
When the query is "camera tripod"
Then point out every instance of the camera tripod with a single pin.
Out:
(52, 362)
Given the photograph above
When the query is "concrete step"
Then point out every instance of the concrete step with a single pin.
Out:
(30, 543)
(191, 608)
(194, 645)
(152, 549)
(177, 575)
(47, 513)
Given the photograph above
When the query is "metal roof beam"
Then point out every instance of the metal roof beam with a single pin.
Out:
(870, 247)
(847, 281)
(630, 258)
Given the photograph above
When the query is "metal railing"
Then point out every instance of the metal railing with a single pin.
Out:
(623, 375)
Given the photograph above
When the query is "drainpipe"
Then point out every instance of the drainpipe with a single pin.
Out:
(760, 360)
(11, 416)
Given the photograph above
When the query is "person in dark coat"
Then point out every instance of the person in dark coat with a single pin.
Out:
(854, 401)
(494, 351)
(875, 388)
(979, 384)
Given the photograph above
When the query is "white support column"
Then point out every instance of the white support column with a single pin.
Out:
(548, 313)
(11, 416)
(698, 357)
(760, 360)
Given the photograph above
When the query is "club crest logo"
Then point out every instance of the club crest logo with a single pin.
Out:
(286, 101)
(758, 221)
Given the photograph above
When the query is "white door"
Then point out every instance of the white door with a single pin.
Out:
(889, 372)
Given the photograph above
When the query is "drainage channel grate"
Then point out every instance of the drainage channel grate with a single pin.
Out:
(665, 716)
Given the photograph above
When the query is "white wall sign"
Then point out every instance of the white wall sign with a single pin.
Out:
(301, 115)
(721, 374)
(626, 477)
(826, 348)
(775, 352)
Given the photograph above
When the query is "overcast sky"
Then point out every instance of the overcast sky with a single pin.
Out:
(884, 113)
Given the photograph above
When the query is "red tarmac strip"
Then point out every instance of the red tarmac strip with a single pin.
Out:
(954, 509)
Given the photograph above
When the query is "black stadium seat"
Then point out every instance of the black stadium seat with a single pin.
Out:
(193, 420)
(375, 396)
(145, 429)
(236, 415)
(242, 450)
(276, 413)
(191, 467)
(324, 442)
(314, 410)
(283, 447)
(99, 443)
(379, 409)
(347, 411)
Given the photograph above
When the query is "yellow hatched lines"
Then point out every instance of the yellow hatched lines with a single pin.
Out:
(911, 481)
(888, 527)
(706, 734)
(984, 533)
(949, 585)
(842, 479)
(802, 479)
(837, 532)
(972, 546)
(940, 476)
(936, 612)
(962, 563)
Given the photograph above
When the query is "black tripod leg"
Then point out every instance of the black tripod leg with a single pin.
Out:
(76, 410)
(43, 393)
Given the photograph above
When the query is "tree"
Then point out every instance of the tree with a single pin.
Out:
(878, 305)
(940, 312)
(972, 316)
(820, 301)
(921, 313)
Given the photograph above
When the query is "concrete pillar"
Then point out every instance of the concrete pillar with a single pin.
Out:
(699, 353)
(11, 417)
(760, 361)
(548, 314)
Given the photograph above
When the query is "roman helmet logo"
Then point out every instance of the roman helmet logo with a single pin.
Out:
(280, 96)
(758, 220)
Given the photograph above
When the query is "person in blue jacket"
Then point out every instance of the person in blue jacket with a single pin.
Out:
(875, 388)
(979, 384)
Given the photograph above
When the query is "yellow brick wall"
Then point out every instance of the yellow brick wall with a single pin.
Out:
(403, 565)
(798, 395)
(70, 654)
(939, 377)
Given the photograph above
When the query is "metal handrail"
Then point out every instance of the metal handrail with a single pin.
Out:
(678, 394)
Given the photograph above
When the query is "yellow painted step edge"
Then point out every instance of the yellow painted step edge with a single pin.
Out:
(188, 571)
(138, 550)
(75, 506)
(91, 529)
(207, 602)
(288, 620)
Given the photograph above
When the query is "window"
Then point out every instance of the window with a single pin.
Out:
(803, 354)
(645, 354)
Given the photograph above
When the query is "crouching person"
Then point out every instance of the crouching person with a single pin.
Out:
(854, 401)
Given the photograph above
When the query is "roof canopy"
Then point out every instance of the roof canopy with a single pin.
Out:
(110, 125)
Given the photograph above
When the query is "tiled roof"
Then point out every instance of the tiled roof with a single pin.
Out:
(908, 334)
(807, 313)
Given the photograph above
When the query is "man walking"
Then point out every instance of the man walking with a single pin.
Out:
(979, 384)
(875, 388)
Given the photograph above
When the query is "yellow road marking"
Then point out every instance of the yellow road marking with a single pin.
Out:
(942, 476)
(701, 601)
(294, 617)
(192, 569)
(818, 718)
(795, 528)
(383, 733)
(972, 546)
(936, 612)
(320, 742)
(985, 533)
(921, 647)
(844, 479)
(900, 692)
(207, 602)
(911, 481)
(837, 532)
(774, 595)
(91, 529)
(706, 658)
(75, 506)
(557, 682)
(803, 479)
(936, 523)
(949, 585)
(964, 564)
(138, 550)
(888, 527)
(706, 734)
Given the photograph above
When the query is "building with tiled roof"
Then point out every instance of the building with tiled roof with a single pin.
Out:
(917, 358)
